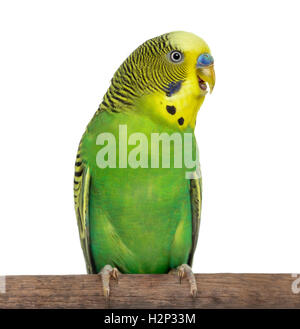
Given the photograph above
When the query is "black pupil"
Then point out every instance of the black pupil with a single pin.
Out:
(176, 56)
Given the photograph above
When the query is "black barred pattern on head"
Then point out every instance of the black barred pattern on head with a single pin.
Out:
(146, 70)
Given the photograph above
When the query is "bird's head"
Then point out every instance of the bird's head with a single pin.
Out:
(166, 78)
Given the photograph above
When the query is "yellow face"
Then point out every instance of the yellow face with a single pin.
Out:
(188, 65)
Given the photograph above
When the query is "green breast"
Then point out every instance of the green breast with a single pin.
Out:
(140, 219)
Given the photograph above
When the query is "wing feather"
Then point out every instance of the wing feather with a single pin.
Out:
(82, 180)
(196, 203)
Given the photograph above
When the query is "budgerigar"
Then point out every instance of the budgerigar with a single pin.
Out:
(134, 216)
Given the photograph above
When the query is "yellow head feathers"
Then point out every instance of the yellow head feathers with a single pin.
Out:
(165, 78)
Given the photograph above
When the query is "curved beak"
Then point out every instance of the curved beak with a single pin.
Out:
(207, 74)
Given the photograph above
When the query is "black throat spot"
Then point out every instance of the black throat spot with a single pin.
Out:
(171, 109)
(181, 121)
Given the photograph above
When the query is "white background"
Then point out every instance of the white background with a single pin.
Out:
(56, 62)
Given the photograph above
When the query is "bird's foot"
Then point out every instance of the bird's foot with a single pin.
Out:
(107, 273)
(185, 270)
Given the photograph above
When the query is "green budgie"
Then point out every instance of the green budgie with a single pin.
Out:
(138, 209)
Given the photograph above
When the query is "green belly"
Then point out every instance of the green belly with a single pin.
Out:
(140, 219)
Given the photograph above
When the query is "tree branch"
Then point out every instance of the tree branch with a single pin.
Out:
(151, 291)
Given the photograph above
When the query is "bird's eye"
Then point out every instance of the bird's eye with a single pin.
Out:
(176, 56)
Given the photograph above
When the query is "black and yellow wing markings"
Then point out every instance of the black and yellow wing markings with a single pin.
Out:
(82, 179)
(196, 203)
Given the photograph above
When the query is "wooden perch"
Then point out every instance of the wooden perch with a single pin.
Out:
(151, 291)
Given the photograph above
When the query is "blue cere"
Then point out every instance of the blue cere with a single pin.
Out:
(205, 60)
